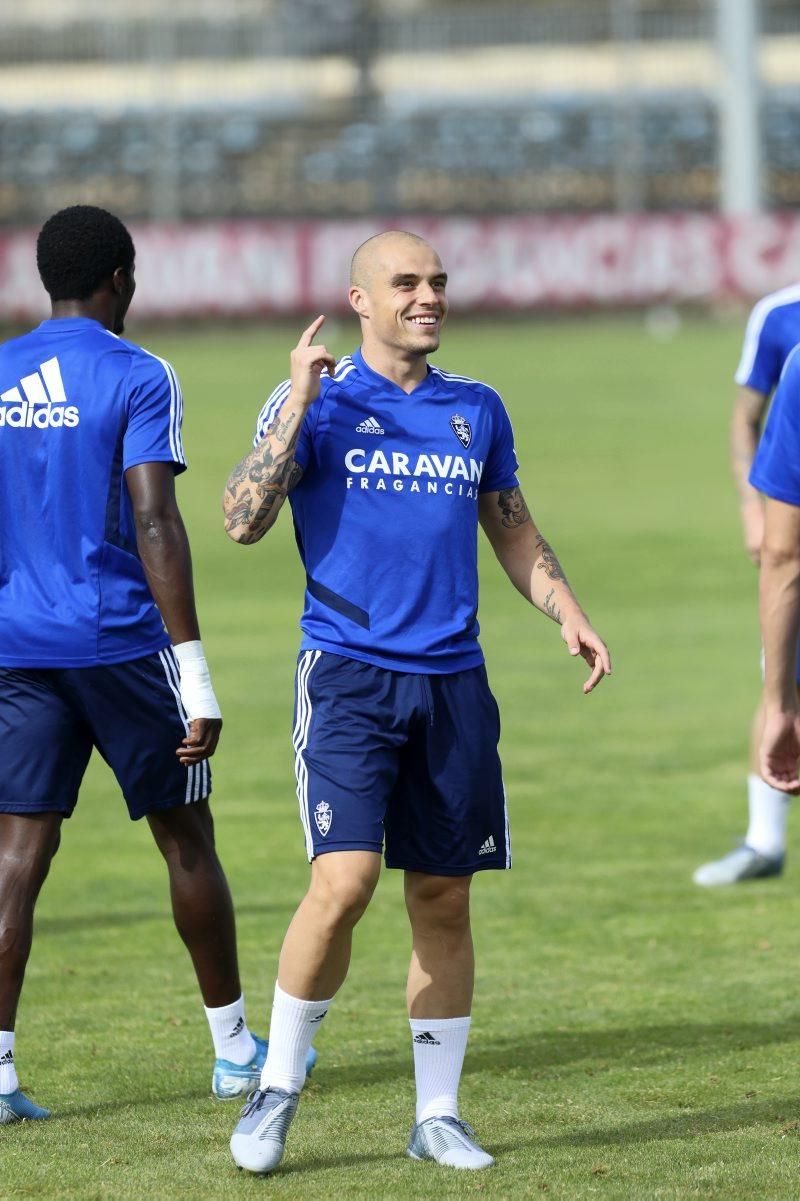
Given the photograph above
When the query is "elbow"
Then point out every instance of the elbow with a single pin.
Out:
(245, 520)
(243, 535)
(239, 525)
(156, 525)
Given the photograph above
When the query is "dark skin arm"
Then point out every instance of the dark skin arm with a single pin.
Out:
(164, 551)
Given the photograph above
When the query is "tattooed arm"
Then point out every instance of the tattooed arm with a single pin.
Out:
(531, 564)
(260, 483)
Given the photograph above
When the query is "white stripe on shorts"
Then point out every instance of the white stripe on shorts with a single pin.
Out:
(507, 826)
(197, 774)
(300, 740)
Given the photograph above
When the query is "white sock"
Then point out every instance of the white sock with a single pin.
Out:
(8, 1071)
(232, 1040)
(291, 1033)
(769, 810)
(439, 1046)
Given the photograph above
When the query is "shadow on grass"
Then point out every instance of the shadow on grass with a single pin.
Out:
(727, 1118)
(634, 1045)
(543, 1051)
(310, 1163)
(111, 920)
(132, 1101)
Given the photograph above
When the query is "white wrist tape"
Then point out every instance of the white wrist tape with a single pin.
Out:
(196, 691)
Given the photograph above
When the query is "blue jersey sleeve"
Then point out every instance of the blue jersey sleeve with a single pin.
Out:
(763, 353)
(776, 467)
(500, 469)
(155, 415)
(269, 411)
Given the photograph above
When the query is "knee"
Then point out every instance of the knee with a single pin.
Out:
(438, 901)
(342, 897)
(23, 869)
(20, 880)
(184, 835)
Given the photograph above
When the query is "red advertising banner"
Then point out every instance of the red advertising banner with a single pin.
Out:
(248, 268)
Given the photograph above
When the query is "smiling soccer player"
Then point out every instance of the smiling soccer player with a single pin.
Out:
(389, 465)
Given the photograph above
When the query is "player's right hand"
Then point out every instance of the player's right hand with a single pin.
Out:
(307, 363)
(780, 751)
(201, 741)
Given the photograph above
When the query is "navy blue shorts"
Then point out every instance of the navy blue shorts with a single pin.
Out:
(403, 758)
(50, 719)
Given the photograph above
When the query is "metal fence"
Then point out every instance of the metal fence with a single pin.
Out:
(241, 108)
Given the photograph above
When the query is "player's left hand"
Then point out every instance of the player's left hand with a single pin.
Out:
(780, 751)
(201, 741)
(582, 640)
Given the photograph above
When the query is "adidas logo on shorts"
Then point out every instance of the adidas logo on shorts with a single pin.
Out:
(488, 847)
(370, 426)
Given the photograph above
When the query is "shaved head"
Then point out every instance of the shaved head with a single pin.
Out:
(398, 288)
(372, 253)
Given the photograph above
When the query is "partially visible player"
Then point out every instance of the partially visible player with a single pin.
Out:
(772, 333)
(776, 473)
(94, 563)
(390, 466)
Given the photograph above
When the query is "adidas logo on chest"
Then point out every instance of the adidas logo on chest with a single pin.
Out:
(370, 426)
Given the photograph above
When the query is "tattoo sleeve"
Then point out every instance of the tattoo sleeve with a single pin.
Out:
(260, 483)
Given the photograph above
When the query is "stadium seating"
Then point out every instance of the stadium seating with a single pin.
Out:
(243, 162)
(264, 108)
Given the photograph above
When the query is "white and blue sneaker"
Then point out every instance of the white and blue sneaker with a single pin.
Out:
(232, 1080)
(448, 1141)
(259, 1140)
(16, 1107)
(742, 863)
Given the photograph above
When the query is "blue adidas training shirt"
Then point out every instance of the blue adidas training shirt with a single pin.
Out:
(386, 513)
(776, 467)
(78, 406)
(773, 331)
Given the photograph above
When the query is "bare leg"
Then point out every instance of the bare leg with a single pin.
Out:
(201, 900)
(756, 730)
(442, 970)
(27, 847)
(316, 950)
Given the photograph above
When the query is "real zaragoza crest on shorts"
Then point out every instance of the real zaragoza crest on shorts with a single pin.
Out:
(462, 429)
(323, 816)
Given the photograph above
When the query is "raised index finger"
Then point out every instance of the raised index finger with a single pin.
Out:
(308, 335)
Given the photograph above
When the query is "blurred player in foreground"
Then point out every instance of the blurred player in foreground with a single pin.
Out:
(776, 473)
(93, 556)
(390, 464)
(772, 333)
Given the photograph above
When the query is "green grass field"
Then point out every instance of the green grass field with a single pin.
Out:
(633, 1036)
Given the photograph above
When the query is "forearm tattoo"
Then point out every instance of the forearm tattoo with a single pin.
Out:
(548, 563)
(550, 606)
(265, 476)
(512, 505)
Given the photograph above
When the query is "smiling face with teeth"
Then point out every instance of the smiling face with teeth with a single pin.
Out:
(398, 290)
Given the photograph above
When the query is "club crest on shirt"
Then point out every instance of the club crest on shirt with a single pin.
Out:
(462, 429)
(323, 816)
